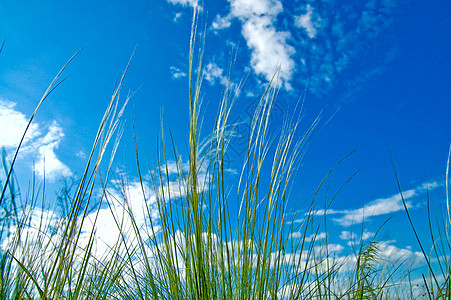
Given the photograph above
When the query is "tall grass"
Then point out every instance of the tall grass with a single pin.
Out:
(197, 248)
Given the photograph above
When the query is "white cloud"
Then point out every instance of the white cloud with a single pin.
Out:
(295, 235)
(396, 254)
(249, 8)
(382, 206)
(269, 48)
(353, 239)
(376, 207)
(213, 74)
(321, 212)
(367, 234)
(13, 124)
(312, 237)
(81, 154)
(177, 17)
(177, 73)
(192, 3)
(329, 248)
(221, 22)
(348, 235)
(48, 163)
(306, 21)
(40, 147)
(173, 167)
(128, 199)
(231, 171)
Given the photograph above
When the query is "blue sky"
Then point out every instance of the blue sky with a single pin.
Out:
(378, 69)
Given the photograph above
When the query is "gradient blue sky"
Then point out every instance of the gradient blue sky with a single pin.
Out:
(379, 69)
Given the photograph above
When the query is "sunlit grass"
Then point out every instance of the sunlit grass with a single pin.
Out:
(184, 243)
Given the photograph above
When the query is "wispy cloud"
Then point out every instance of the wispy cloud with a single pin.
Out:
(312, 237)
(173, 167)
(269, 47)
(335, 37)
(192, 3)
(382, 206)
(40, 147)
(184, 3)
(176, 73)
(81, 154)
(214, 74)
(353, 239)
(348, 235)
(307, 22)
(329, 248)
(313, 43)
(177, 17)
(221, 22)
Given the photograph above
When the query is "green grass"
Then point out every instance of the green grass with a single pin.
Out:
(197, 248)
